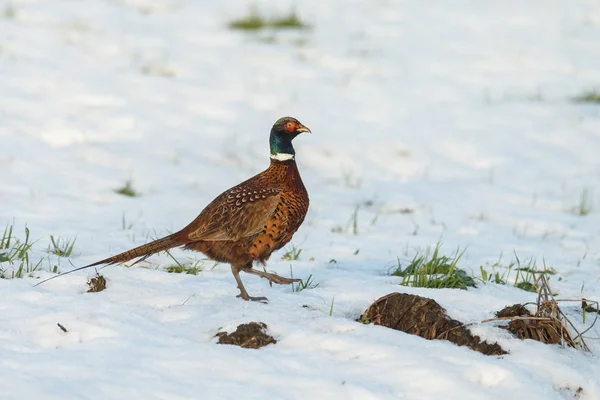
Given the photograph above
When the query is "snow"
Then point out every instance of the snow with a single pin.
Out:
(458, 111)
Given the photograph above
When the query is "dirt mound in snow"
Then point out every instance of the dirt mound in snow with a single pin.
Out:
(541, 327)
(96, 284)
(250, 336)
(426, 318)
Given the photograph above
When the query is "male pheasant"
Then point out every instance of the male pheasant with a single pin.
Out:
(246, 223)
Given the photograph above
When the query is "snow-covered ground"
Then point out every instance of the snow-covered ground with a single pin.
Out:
(458, 111)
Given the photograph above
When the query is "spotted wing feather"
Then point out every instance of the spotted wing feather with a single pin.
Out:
(237, 213)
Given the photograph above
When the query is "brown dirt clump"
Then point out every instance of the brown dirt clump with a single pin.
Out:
(96, 284)
(426, 318)
(250, 336)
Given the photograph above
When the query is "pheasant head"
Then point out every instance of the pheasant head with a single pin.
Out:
(283, 132)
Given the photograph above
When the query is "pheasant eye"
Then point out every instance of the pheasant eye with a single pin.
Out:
(290, 126)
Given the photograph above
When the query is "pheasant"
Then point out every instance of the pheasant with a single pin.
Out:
(245, 224)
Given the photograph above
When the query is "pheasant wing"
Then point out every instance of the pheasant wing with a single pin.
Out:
(237, 213)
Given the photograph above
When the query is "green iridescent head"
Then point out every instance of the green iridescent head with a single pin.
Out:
(282, 134)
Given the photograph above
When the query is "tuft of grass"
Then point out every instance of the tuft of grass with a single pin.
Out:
(14, 255)
(61, 247)
(351, 225)
(337, 229)
(584, 205)
(253, 21)
(127, 190)
(349, 180)
(292, 254)
(302, 285)
(191, 268)
(430, 269)
(354, 221)
(291, 20)
(591, 96)
(523, 275)
(493, 277)
(9, 12)
(7, 237)
(157, 68)
(526, 276)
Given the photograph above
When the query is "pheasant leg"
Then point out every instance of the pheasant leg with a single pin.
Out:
(243, 293)
(271, 277)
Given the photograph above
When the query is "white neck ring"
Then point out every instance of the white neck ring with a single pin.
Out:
(282, 156)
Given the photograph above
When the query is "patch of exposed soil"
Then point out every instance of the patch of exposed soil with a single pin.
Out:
(426, 318)
(250, 336)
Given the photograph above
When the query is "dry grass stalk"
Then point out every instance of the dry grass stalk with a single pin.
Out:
(557, 326)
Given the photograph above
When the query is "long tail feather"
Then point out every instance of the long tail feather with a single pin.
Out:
(143, 251)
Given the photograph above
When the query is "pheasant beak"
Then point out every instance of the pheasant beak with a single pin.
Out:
(301, 128)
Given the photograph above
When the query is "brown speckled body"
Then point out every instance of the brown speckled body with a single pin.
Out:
(280, 193)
